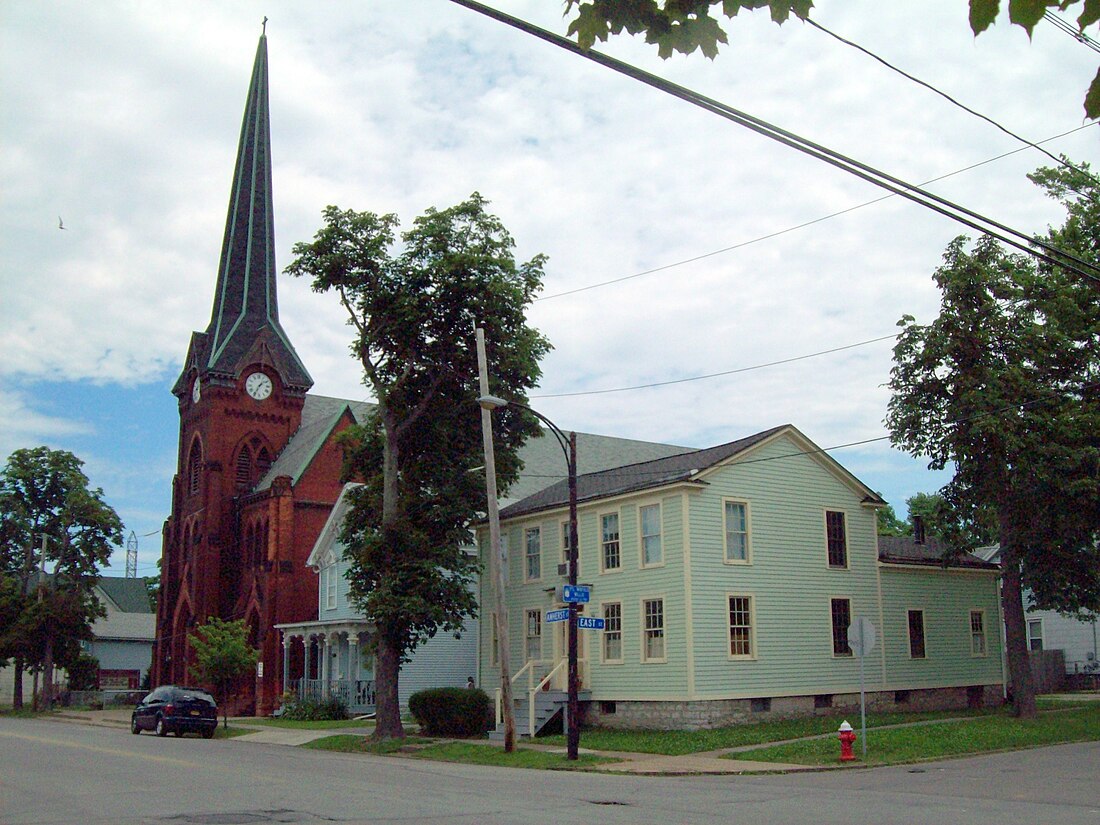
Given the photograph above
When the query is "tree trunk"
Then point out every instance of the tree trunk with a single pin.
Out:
(17, 688)
(388, 656)
(1012, 602)
(47, 675)
(387, 664)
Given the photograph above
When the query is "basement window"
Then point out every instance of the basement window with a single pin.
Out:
(607, 708)
(761, 705)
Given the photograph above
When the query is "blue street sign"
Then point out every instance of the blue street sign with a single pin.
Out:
(557, 615)
(590, 623)
(576, 593)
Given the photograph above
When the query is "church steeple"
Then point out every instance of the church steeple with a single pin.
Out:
(244, 324)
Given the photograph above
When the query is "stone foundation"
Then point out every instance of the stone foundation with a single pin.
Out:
(716, 713)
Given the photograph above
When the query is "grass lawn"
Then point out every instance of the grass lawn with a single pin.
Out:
(677, 743)
(470, 754)
(935, 741)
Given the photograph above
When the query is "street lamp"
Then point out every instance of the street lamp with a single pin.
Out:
(568, 444)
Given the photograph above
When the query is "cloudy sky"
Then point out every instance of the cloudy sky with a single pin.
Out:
(122, 119)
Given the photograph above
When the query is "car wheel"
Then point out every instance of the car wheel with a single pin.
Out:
(135, 728)
(208, 733)
(162, 728)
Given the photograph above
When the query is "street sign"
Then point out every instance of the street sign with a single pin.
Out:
(590, 623)
(861, 636)
(576, 593)
(557, 615)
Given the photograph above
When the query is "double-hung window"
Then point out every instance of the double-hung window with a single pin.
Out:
(737, 531)
(330, 587)
(741, 630)
(532, 540)
(611, 557)
(836, 538)
(653, 624)
(977, 633)
(649, 518)
(533, 639)
(841, 611)
(613, 632)
(916, 634)
(565, 542)
(1034, 634)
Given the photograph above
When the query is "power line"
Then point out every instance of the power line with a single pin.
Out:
(985, 414)
(719, 374)
(1072, 31)
(803, 225)
(1030, 245)
(950, 99)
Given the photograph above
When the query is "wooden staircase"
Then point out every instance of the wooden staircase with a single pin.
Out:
(548, 705)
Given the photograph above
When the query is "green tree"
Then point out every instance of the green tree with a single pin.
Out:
(688, 25)
(46, 502)
(414, 313)
(890, 525)
(222, 656)
(1003, 386)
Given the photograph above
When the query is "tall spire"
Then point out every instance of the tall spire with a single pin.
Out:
(244, 323)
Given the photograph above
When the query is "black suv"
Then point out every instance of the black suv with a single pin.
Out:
(172, 709)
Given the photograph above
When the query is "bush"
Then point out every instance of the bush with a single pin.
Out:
(451, 711)
(83, 672)
(315, 710)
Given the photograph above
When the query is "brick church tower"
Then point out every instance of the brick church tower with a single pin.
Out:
(239, 533)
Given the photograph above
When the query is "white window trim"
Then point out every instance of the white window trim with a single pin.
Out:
(622, 647)
(748, 533)
(970, 632)
(527, 557)
(847, 544)
(563, 533)
(330, 587)
(641, 537)
(741, 657)
(664, 629)
(829, 624)
(600, 542)
(526, 614)
(1042, 632)
(924, 634)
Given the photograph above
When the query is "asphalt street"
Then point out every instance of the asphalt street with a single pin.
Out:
(58, 772)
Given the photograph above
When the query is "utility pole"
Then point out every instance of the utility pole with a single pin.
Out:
(496, 556)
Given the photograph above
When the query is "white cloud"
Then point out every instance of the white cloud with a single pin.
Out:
(124, 118)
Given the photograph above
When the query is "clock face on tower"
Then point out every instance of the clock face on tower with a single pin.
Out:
(258, 386)
(196, 391)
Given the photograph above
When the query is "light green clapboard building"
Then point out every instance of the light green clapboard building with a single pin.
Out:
(727, 578)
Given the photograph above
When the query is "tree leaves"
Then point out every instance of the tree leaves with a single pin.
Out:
(685, 26)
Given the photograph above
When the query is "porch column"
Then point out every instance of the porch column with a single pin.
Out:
(287, 640)
(307, 643)
(353, 657)
(326, 666)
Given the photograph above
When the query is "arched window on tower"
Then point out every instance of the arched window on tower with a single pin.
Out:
(244, 467)
(194, 467)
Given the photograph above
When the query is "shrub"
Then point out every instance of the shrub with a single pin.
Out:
(83, 672)
(451, 711)
(315, 710)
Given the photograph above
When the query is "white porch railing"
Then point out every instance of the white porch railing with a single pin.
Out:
(532, 689)
(356, 694)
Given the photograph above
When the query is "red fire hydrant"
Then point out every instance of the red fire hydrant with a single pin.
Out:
(847, 736)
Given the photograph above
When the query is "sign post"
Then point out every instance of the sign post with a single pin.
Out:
(861, 639)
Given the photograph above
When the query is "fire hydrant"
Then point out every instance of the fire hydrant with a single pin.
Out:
(847, 736)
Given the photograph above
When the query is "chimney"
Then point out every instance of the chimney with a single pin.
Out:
(918, 529)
